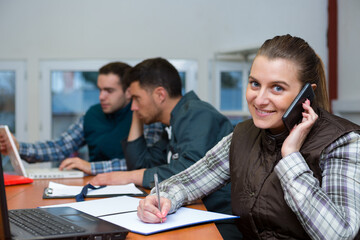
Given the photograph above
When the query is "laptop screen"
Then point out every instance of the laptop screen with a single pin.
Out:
(4, 219)
(13, 152)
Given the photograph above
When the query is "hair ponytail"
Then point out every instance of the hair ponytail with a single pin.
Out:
(321, 89)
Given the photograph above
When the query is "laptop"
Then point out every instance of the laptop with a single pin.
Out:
(69, 222)
(33, 172)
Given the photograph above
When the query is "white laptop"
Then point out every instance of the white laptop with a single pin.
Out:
(32, 172)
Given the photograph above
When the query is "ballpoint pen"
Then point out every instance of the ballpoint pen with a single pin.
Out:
(157, 192)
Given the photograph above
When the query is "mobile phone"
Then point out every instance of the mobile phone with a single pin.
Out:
(293, 114)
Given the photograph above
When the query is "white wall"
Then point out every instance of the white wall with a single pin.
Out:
(137, 29)
(348, 103)
(349, 49)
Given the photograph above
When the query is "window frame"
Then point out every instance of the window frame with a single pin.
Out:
(229, 66)
(46, 66)
(234, 60)
(190, 67)
(19, 67)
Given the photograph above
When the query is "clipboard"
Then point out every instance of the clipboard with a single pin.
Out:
(55, 191)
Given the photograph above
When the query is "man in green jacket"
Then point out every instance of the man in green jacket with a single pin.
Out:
(193, 127)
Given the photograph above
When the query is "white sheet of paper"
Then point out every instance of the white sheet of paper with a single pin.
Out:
(183, 217)
(122, 211)
(59, 190)
(101, 207)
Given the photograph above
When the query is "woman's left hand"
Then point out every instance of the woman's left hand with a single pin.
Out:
(300, 131)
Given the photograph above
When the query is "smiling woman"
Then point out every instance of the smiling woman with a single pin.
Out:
(298, 184)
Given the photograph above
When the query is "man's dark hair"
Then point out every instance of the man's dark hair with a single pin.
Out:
(156, 72)
(117, 68)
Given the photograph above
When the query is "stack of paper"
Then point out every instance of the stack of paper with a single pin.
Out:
(122, 211)
(104, 207)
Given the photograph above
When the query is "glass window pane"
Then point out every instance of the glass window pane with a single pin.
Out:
(7, 99)
(73, 92)
(231, 90)
(183, 81)
(7, 107)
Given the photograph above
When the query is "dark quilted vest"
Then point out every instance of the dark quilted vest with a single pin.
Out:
(256, 193)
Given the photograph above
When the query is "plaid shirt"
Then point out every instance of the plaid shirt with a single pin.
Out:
(330, 211)
(72, 140)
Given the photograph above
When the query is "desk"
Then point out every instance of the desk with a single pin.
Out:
(30, 196)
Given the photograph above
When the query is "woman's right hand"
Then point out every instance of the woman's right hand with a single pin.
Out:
(298, 134)
(149, 212)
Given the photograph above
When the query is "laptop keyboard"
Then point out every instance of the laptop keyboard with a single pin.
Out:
(41, 223)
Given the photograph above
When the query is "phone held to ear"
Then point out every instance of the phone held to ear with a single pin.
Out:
(293, 114)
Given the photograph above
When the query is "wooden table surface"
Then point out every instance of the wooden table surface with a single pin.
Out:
(30, 196)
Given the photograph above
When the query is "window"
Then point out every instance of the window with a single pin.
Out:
(231, 90)
(7, 98)
(188, 73)
(231, 82)
(72, 93)
(231, 71)
(12, 97)
(70, 88)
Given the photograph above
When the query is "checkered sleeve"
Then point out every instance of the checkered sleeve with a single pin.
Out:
(153, 132)
(56, 150)
(202, 178)
(330, 211)
(108, 166)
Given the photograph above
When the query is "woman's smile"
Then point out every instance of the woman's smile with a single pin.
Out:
(263, 112)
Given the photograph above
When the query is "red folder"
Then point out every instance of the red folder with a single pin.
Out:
(15, 179)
